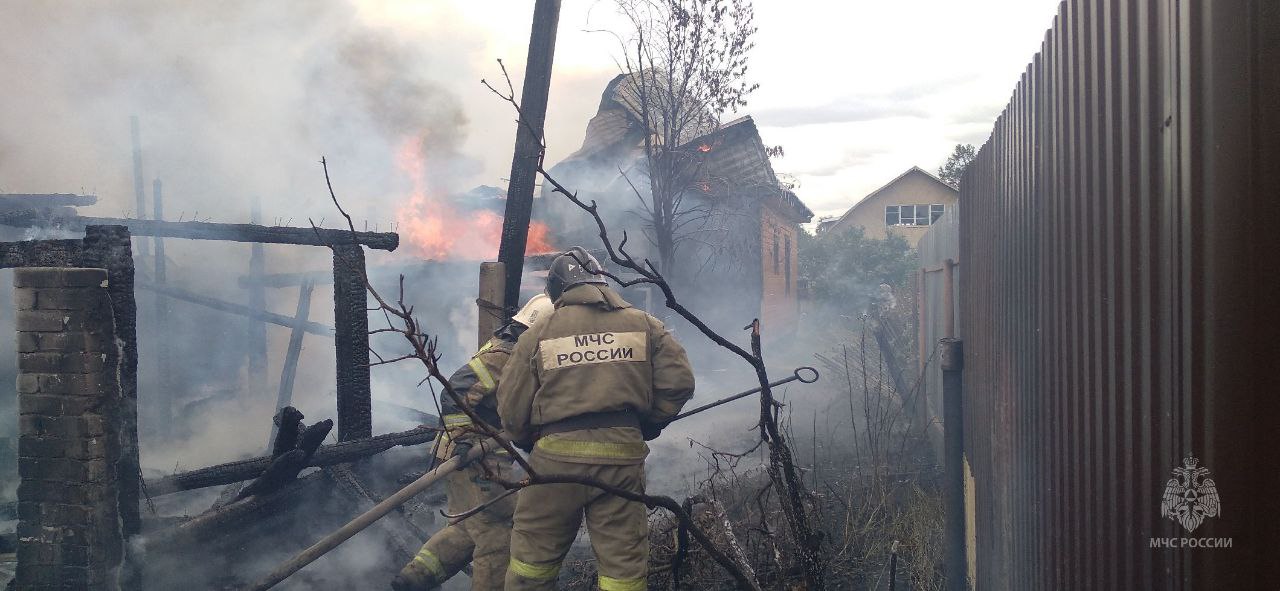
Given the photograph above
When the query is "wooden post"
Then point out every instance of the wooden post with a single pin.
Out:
(351, 336)
(163, 414)
(139, 192)
(492, 280)
(290, 369)
(524, 164)
(257, 332)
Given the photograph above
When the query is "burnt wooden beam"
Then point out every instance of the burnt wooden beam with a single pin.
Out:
(180, 294)
(18, 201)
(528, 148)
(41, 253)
(405, 535)
(326, 455)
(351, 342)
(227, 232)
(232, 517)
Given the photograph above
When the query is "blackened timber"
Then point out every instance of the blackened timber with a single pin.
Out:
(528, 150)
(227, 232)
(351, 321)
(20, 201)
(405, 536)
(327, 455)
(231, 518)
(180, 294)
(41, 253)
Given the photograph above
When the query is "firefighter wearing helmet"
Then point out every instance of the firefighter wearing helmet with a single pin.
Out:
(586, 388)
(482, 539)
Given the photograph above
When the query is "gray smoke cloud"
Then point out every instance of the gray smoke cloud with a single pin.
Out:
(237, 100)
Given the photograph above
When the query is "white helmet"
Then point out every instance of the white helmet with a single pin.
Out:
(537, 308)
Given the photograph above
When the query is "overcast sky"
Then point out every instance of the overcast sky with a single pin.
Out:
(241, 97)
(855, 91)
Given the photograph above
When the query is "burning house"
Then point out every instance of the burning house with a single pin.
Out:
(732, 221)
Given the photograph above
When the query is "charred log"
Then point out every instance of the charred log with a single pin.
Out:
(280, 472)
(288, 424)
(404, 536)
(326, 455)
(217, 522)
(313, 436)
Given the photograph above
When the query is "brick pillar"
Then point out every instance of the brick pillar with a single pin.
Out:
(70, 427)
(109, 247)
(351, 341)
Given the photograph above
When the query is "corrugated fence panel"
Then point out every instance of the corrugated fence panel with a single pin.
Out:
(938, 246)
(1118, 251)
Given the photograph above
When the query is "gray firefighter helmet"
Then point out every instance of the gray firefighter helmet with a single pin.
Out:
(575, 267)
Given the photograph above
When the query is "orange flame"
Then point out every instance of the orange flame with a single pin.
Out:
(704, 148)
(431, 227)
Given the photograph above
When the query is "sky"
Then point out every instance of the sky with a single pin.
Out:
(241, 98)
(855, 91)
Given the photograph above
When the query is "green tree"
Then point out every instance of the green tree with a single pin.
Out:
(953, 169)
(846, 268)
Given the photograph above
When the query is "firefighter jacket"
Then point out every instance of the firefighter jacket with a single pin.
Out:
(476, 383)
(593, 355)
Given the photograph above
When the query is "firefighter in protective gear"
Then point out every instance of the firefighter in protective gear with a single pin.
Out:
(482, 539)
(584, 390)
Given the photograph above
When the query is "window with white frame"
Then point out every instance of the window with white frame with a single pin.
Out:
(913, 215)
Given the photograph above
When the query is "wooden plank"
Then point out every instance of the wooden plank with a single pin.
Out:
(215, 231)
(327, 455)
(290, 370)
(492, 285)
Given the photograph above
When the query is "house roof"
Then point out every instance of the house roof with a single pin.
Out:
(871, 195)
(732, 152)
(735, 151)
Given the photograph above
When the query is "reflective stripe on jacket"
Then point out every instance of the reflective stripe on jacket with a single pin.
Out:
(476, 384)
(594, 353)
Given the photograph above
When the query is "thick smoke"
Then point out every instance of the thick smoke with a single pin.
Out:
(238, 100)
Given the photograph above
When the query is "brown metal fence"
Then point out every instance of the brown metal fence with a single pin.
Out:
(1118, 242)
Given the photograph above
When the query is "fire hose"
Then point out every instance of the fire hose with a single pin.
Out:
(455, 463)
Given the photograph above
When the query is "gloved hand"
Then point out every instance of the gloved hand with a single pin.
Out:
(460, 449)
(651, 430)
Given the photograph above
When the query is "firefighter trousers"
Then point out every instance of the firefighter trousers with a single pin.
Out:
(482, 540)
(547, 518)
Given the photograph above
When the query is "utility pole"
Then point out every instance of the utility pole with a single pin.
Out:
(524, 164)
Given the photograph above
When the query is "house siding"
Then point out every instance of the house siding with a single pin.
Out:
(779, 304)
(914, 188)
